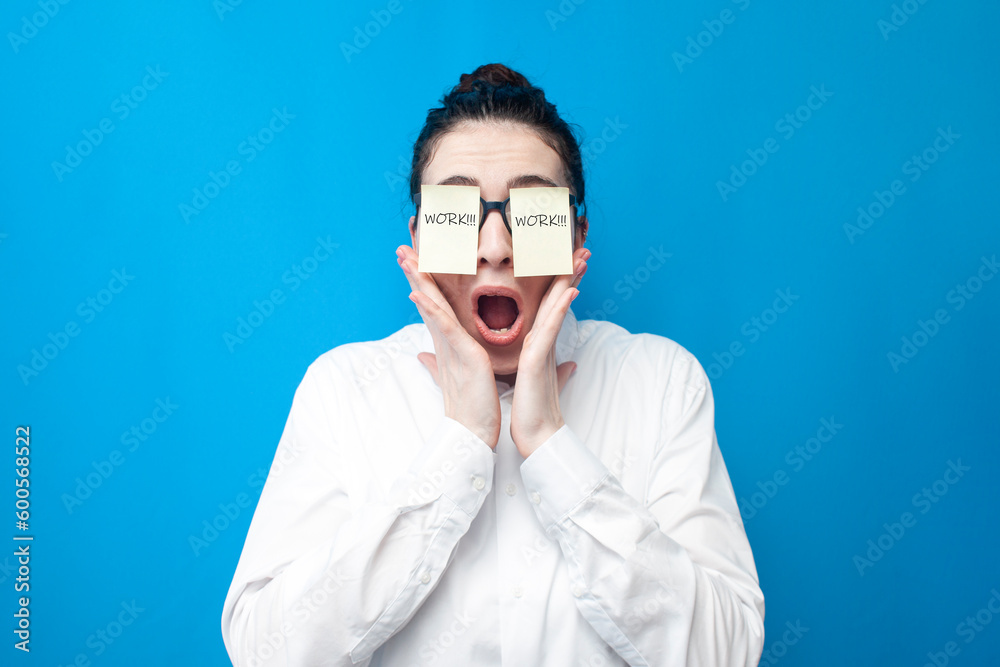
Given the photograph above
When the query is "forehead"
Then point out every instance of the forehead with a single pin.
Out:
(493, 155)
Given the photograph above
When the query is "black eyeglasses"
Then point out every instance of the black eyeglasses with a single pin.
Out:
(503, 206)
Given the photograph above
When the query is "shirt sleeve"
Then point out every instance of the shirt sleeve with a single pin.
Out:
(667, 580)
(325, 579)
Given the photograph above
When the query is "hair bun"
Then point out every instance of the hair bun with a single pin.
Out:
(496, 93)
(494, 74)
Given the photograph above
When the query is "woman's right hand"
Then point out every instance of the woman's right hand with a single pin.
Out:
(461, 366)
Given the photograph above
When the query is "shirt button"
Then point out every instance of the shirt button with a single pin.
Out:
(517, 591)
(511, 489)
(535, 498)
(577, 590)
(478, 483)
(425, 578)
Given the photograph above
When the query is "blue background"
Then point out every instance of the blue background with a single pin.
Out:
(333, 172)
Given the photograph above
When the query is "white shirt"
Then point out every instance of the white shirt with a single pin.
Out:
(390, 535)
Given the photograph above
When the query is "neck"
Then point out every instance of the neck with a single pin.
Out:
(509, 379)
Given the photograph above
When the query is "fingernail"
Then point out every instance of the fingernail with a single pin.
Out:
(575, 295)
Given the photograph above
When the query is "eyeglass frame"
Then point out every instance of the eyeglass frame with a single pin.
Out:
(488, 206)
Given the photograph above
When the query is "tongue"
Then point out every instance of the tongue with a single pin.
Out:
(498, 312)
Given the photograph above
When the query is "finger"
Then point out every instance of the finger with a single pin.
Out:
(557, 289)
(543, 334)
(408, 261)
(420, 300)
(429, 310)
(584, 257)
(564, 282)
(445, 323)
(580, 258)
(423, 282)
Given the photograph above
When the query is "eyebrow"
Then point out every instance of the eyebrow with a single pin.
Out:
(522, 181)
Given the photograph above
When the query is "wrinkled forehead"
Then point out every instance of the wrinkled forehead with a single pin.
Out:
(495, 157)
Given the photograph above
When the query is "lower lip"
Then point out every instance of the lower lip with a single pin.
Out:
(498, 339)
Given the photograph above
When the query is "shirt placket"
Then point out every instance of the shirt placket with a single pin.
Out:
(522, 552)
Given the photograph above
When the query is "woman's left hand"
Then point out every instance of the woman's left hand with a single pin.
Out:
(534, 412)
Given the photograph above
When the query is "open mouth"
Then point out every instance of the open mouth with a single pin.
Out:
(498, 312)
(498, 315)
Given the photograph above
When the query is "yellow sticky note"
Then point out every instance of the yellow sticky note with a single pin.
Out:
(543, 231)
(449, 229)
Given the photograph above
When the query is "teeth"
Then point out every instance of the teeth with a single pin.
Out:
(500, 331)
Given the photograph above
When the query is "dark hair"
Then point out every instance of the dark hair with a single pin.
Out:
(496, 92)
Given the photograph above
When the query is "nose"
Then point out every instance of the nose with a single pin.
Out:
(495, 248)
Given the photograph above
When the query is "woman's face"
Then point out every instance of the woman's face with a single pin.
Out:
(496, 157)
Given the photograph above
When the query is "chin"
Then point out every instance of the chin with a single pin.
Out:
(505, 363)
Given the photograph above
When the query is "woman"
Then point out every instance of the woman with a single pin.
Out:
(458, 494)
